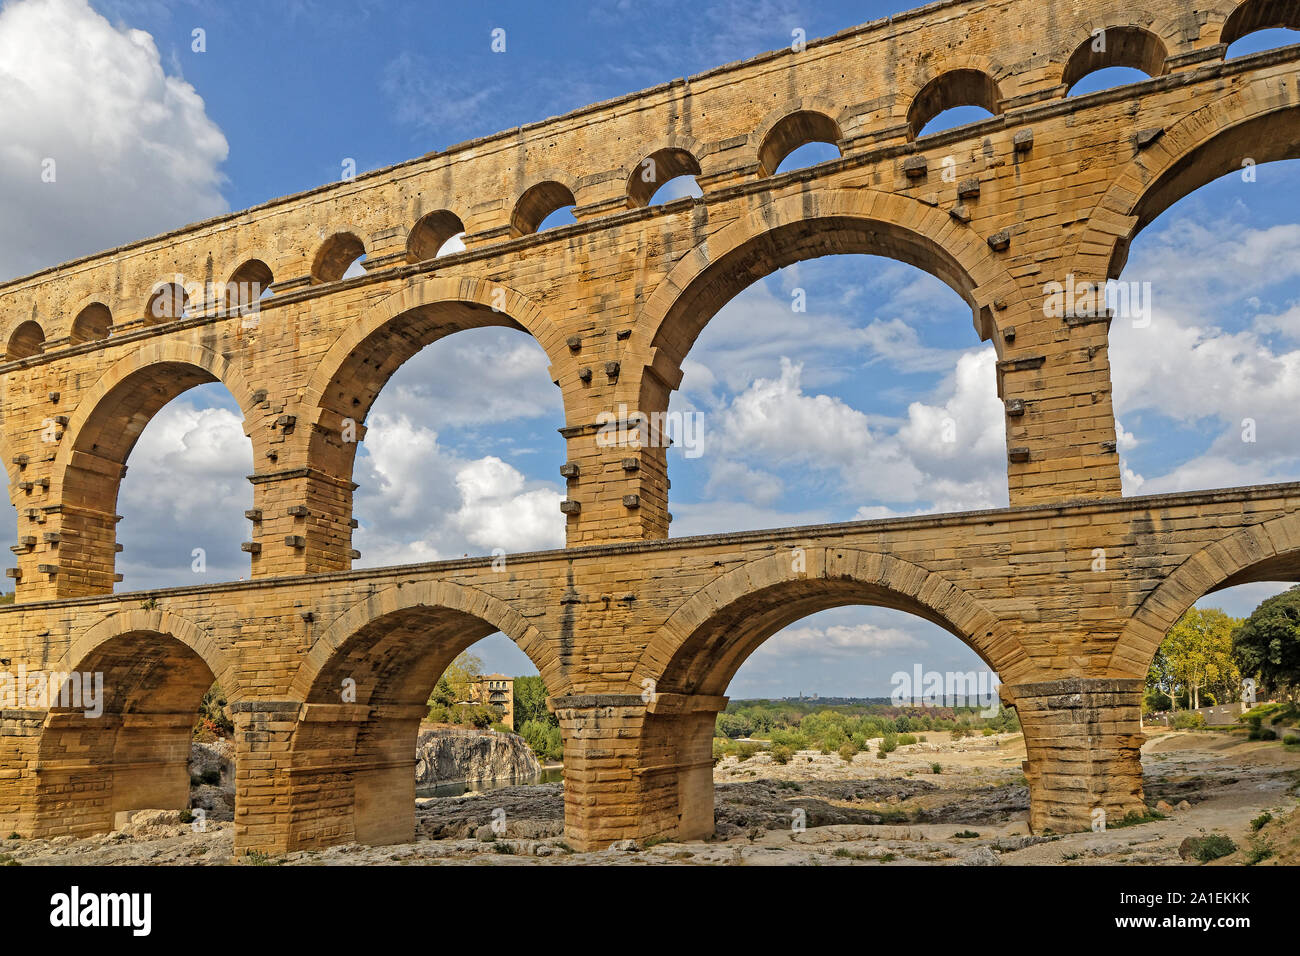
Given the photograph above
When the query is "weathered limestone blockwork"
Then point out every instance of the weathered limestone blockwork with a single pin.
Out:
(1083, 741)
(637, 641)
(636, 636)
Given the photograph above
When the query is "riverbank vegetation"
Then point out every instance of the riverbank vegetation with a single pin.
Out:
(846, 727)
(1208, 655)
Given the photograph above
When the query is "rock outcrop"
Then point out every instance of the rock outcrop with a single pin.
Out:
(446, 755)
(212, 778)
(443, 755)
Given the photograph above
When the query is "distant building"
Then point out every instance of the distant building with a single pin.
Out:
(497, 691)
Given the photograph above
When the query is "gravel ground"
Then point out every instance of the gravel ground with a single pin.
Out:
(894, 811)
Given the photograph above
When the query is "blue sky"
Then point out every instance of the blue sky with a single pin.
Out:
(835, 413)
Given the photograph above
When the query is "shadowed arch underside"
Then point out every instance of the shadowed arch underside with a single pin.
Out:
(694, 656)
(366, 684)
(1237, 133)
(1269, 551)
(1127, 46)
(1253, 15)
(132, 750)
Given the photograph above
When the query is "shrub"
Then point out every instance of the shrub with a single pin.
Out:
(544, 739)
(1135, 818)
(781, 754)
(1260, 850)
(213, 720)
(888, 743)
(791, 738)
(1291, 740)
(258, 858)
(1258, 732)
(1258, 823)
(1214, 846)
(882, 754)
(1189, 722)
(476, 716)
(906, 739)
(936, 768)
(848, 751)
(746, 750)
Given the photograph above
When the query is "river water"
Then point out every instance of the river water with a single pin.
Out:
(456, 788)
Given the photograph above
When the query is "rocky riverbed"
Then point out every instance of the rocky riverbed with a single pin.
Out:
(815, 809)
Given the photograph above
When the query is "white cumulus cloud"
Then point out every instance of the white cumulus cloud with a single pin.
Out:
(131, 150)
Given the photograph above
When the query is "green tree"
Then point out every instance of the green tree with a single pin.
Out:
(732, 725)
(478, 716)
(530, 702)
(454, 686)
(1198, 653)
(544, 739)
(1160, 683)
(1267, 644)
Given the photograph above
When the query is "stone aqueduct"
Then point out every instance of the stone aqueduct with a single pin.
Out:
(1047, 187)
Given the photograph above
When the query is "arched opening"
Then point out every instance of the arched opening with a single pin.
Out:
(815, 136)
(663, 176)
(809, 154)
(247, 286)
(790, 394)
(811, 693)
(434, 234)
(194, 461)
(184, 493)
(25, 341)
(120, 738)
(1261, 41)
(542, 206)
(431, 721)
(448, 460)
(1218, 700)
(465, 462)
(814, 400)
(953, 99)
(1204, 356)
(339, 257)
(92, 324)
(168, 302)
(1258, 25)
(1112, 57)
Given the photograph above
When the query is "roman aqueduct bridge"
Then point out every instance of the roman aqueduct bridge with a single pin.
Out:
(637, 634)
